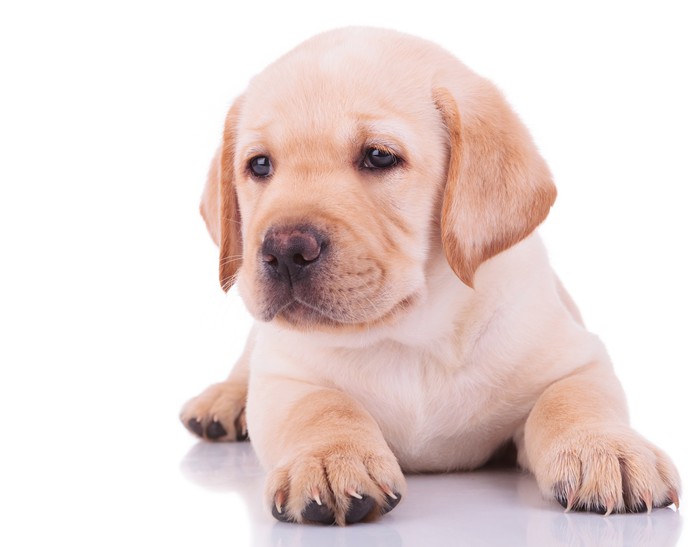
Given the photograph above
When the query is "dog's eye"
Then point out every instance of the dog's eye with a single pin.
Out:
(379, 159)
(260, 166)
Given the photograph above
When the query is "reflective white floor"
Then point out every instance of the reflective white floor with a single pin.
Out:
(490, 507)
(163, 487)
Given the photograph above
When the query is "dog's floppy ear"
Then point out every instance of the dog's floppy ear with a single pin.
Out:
(219, 205)
(498, 187)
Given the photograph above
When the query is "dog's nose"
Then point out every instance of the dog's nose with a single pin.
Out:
(288, 252)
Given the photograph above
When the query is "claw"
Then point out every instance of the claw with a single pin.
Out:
(571, 500)
(648, 501)
(609, 505)
(316, 495)
(352, 492)
(674, 499)
(389, 492)
(279, 500)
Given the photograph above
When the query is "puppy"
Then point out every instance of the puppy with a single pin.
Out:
(376, 203)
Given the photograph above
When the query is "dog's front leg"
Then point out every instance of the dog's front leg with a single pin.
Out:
(219, 412)
(326, 458)
(578, 443)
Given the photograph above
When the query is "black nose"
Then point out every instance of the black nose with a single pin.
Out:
(290, 251)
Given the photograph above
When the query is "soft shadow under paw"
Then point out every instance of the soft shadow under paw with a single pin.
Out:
(221, 466)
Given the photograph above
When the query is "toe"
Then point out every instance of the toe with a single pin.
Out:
(359, 509)
(241, 427)
(195, 426)
(320, 514)
(215, 430)
(391, 502)
(280, 514)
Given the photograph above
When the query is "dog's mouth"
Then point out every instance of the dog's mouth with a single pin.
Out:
(303, 283)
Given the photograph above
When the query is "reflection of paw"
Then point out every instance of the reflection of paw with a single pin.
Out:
(218, 413)
(607, 471)
(340, 484)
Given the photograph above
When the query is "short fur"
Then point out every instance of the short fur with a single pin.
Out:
(434, 330)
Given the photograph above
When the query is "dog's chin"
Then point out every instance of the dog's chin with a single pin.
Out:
(299, 315)
(303, 316)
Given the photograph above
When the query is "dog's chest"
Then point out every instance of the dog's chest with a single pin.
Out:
(434, 417)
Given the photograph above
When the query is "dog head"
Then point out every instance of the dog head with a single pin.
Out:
(351, 164)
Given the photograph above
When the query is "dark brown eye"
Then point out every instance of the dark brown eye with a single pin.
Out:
(379, 159)
(260, 166)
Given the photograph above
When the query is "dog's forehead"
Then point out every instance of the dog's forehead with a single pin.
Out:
(331, 86)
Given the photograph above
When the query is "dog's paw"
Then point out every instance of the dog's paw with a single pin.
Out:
(608, 471)
(218, 413)
(338, 484)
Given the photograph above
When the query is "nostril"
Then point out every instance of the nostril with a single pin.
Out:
(271, 260)
(300, 260)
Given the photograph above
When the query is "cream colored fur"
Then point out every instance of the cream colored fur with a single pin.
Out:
(438, 331)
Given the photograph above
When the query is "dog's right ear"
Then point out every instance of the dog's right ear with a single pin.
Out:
(219, 205)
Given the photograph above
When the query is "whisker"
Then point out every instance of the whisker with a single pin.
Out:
(231, 258)
(233, 220)
(229, 281)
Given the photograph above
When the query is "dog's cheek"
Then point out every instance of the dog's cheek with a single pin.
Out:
(250, 290)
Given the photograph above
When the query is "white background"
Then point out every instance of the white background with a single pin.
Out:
(110, 310)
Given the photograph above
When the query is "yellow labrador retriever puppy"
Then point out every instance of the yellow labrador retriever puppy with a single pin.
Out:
(376, 203)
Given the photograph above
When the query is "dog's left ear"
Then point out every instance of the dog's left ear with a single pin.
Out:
(498, 187)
